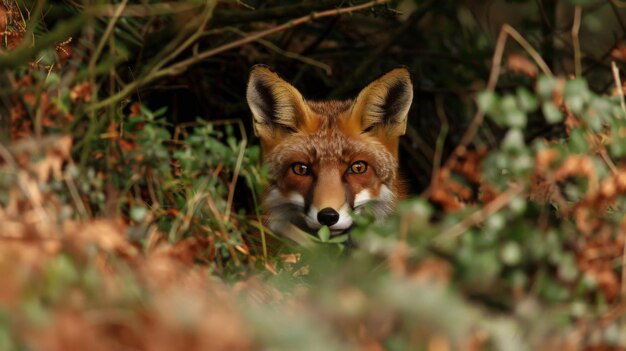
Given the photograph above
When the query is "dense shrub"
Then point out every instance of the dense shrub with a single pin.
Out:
(130, 179)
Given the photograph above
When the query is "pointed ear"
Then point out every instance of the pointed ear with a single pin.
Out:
(383, 105)
(277, 107)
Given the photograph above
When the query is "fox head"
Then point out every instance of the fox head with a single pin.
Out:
(330, 158)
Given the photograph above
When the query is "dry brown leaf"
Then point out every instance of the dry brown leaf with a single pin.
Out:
(81, 92)
(64, 51)
(520, 64)
(545, 158)
(135, 110)
(433, 270)
(108, 235)
(619, 52)
(290, 258)
(4, 18)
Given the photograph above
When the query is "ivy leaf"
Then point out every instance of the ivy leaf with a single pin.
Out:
(545, 87)
(551, 113)
(576, 94)
(324, 234)
(487, 101)
(526, 100)
(514, 117)
(138, 213)
(513, 141)
(338, 239)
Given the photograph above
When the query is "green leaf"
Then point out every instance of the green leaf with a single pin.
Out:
(487, 101)
(576, 94)
(513, 116)
(338, 239)
(52, 79)
(551, 112)
(518, 205)
(509, 103)
(138, 213)
(511, 253)
(568, 270)
(495, 222)
(516, 119)
(513, 141)
(578, 143)
(324, 234)
(581, 2)
(545, 87)
(526, 100)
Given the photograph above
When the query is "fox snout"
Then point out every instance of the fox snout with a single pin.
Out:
(330, 202)
(337, 220)
(328, 216)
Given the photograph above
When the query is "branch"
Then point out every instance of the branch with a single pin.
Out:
(176, 68)
(618, 86)
(180, 66)
(479, 216)
(496, 64)
(366, 64)
(220, 18)
(576, 40)
(229, 17)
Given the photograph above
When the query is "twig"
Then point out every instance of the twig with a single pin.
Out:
(260, 220)
(618, 17)
(479, 216)
(496, 62)
(182, 65)
(176, 49)
(183, 224)
(6, 155)
(289, 54)
(618, 3)
(229, 17)
(612, 315)
(138, 10)
(624, 269)
(105, 36)
(544, 15)
(607, 160)
(443, 132)
(599, 61)
(221, 230)
(576, 41)
(25, 183)
(233, 181)
(71, 185)
(618, 86)
(374, 57)
(174, 69)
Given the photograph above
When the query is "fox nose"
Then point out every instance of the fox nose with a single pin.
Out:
(328, 216)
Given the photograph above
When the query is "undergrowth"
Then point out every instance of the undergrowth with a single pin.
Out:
(126, 225)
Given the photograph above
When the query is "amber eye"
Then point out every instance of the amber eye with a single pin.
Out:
(300, 169)
(358, 167)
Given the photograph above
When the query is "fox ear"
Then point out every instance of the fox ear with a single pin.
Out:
(383, 105)
(277, 107)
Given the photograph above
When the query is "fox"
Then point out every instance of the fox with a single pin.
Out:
(328, 159)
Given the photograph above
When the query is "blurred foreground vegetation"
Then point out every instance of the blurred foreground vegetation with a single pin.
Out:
(130, 180)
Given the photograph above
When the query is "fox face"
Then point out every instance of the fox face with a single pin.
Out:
(329, 159)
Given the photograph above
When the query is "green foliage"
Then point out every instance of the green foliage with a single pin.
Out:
(130, 218)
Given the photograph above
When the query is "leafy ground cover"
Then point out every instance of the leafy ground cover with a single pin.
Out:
(128, 222)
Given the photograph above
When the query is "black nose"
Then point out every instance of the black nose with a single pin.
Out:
(327, 216)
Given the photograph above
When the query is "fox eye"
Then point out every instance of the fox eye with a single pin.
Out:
(300, 169)
(358, 167)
